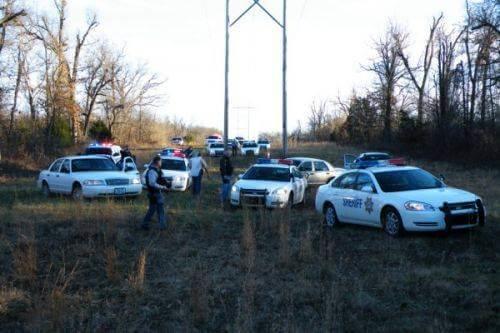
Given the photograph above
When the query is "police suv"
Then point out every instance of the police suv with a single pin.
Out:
(107, 149)
(271, 184)
(175, 171)
(90, 176)
(250, 148)
(398, 199)
(215, 149)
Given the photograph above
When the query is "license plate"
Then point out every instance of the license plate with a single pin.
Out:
(120, 190)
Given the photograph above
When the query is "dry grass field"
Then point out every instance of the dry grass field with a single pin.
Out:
(68, 266)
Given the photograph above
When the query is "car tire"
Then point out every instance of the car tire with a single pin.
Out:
(392, 222)
(46, 190)
(330, 216)
(289, 204)
(77, 193)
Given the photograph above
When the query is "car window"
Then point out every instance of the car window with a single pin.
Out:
(348, 181)
(364, 179)
(267, 174)
(407, 180)
(320, 166)
(98, 151)
(65, 167)
(55, 167)
(91, 164)
(173, 164)
(296, 173)
(306, 166)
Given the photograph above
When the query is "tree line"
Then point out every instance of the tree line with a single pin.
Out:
(59, 89)
(445, 101)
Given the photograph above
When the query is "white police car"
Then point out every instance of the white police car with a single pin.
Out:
(271, 184)
(398, 199)
(108, 149)
(215, 149)
(250, 148)
(90, 176)
(371, 159)
(175, 170)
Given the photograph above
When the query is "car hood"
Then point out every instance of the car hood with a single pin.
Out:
(260, 185)
(102, 175)
(436, 197)
(174, 173)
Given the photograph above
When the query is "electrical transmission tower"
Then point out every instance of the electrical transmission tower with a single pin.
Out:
(282, 24)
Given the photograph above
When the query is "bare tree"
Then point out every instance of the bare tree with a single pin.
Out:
(318, 117)
(425, 67)
(389, 70)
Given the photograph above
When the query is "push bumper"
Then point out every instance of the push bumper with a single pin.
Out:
(439, 220)
(258, 201)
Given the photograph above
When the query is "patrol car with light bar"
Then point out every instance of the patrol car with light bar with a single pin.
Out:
(175, 171)
(371, 159)
(104, 148)
(398, 199)
(270, 183)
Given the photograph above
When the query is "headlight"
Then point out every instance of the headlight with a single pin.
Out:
(280, 192)
(418, 206)
(235, 188)
(94, 182)
(178, 179)
(135, 181)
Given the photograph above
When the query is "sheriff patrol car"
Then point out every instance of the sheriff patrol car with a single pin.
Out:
(398, 199)
(175, 171)
(269, 183)
(371, 159)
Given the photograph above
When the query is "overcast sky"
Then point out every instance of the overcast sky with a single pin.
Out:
(183, 41)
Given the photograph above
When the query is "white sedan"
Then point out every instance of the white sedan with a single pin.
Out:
(175, 170)
(398, 199)
(250, 148)
(89, 177)
(215, 149)
(318, 172)
(271, 184)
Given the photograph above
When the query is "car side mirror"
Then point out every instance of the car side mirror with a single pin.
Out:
(367, 189)
(240, 176)
(442, 178)
(146, 166)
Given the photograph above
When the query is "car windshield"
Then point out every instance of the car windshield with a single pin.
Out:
(93, 164)
(167, 151)
(296, 162)
(407, 180)
(98, 151)
(249, 145)
(376, 157)
(268, 173)
(213, 137)
(173, 164)
(217, 145)
(264, 142)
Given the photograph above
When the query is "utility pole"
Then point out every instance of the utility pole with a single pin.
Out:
(226, 81)
(229, 24)
(284, 129)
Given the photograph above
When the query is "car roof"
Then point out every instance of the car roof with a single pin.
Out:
(380, 169)
(72, 157)
(374, 153)
(168, 157)
(272, 166)
(303, 159)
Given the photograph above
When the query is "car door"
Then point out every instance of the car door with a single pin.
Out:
(53, 175)
(322, 172)
(347, 205)
(64, 178)
(299, 185)
(366, 193)
(306, 168)
(128, 166)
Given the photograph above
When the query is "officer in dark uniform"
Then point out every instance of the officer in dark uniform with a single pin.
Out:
(226, 172)
(154, 186)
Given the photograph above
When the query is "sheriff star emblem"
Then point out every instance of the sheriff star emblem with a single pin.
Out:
(369, 205)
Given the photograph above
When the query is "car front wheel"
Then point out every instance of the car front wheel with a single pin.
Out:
(392, 222)
(331, 219)
(77, 193)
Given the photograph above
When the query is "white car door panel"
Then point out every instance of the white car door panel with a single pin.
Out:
(64, 177)
(366, 196)
(53, 176)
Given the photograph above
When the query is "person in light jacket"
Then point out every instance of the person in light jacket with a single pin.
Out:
(197, 165)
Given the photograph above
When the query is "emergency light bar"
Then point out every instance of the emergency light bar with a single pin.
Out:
(274, 161)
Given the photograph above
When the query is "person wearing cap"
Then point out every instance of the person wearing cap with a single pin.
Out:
(197, 165)
(155, 196)
(226, 172)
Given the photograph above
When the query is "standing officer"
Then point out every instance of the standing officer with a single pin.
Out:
(156, 199)
(226, 172)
